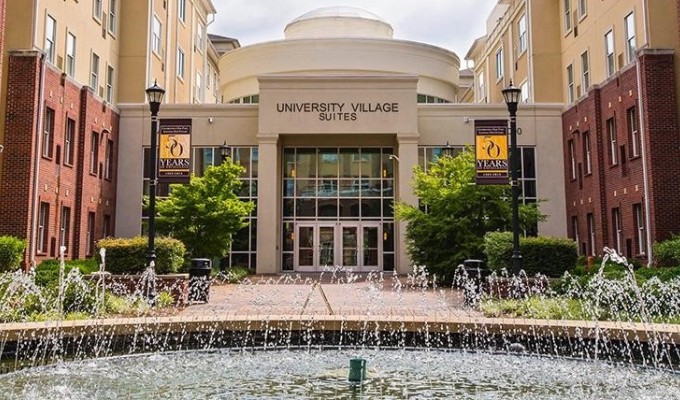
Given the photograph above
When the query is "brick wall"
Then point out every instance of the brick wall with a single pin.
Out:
(63, 182)
(2, 35)
(618, 184)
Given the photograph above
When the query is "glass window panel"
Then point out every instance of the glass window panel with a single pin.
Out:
(240, 259)
(288, 208)
(288, 188)
(328, 163)
(328, 207)
(243, 158)
(305, 188)
(349, 188)
(530, 188)
(349, 207)
(388, 262)
(371, 166)
(370, 208)
(328, 188)
(305, 207)
(240, 240)
(388, 165)
(388, 187)
(254, 159)
(287, 264)
(253, 188)
(350, 163)
(388, 208)
(528, 163)
(388, 237)
(253, 260)
(253, 234)
(371, 188)
(305, 163)
(289, 163)
(244, 190)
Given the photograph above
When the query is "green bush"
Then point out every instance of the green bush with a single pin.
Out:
(11, 253)
(129, 255)
(47, 272)
(667, 253)
(545, 255)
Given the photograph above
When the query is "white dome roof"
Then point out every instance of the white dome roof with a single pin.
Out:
(340, 21)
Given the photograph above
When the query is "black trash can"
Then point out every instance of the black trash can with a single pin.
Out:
(477, 272)
(199, 279)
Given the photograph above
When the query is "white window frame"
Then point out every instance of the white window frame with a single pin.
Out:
(69, 141)
(97, 9)
(634, 129)
(110, 75)
(94, 72)
(522, 40)
(609, 53)
(91, 226)
(156, 35)
(65, 227)
(585, 68)
(94, 153)
(629, 28)
(500, 70)
(108, 160)
(613, 143)
(50, 38)
(582, 8)
(640, 228)
(112, 17)
(198, 87)
(181, 57)
(572, 160)
(199, 37)
(48, 132)
(577, 238)
(71, 42)
(591, 233)
(567, 16)
(570, 83)
(182, 10)
(524, 92)
(586, 153)
(617, 228)
(482, 87)
(43, 219)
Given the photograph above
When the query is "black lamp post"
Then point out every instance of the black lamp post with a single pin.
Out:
(224, 151)
(154, 95)
(512, 95)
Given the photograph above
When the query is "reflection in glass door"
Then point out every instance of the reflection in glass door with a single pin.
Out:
(326, 246)
(305, 245)
(350, 246)
(356, 246)
(371, 248)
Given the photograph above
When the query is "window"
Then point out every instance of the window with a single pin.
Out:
(108, 160)
(570, 83)
(156, 36)
(611, 134)
(50, 37)
(609, 53)
(70, 54)
(97, 9)
(89, 236)
(69, 141)
(199, 37)
(524, 94)
(582, 8)
(482, 87)
(522, 34)
(633, 133)
(572, 160)
(567, 15)
(585, 67)
(94, 153)
(199, 87)
(65, 229)
(48, 133)
(574, 231)
(43, 218)
(109, 84)
(112, 17)
(107, 226)
(182, 10)
(586, 153)
(180, 63)
(639, 228)
(499, 63)
(94, 72)
(616, 222)
(629, 23)
(591, 234)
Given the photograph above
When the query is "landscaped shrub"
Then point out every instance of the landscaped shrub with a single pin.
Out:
(47, 272)
(667, 253)
(545, 255)
(11, 253)
(129, 255)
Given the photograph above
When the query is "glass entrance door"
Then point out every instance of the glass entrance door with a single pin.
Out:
(350, 245)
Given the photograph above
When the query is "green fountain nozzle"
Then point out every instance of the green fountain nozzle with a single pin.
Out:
(357, 370)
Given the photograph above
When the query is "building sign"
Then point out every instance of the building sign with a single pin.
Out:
(491, 152)
(174, 158)
(338, 111)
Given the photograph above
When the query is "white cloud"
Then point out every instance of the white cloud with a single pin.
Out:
(451, 24)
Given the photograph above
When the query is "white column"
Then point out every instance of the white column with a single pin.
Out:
(408, 158)
(268, 206)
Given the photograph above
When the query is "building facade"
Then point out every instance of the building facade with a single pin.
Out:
(329, 123)
(618, 69)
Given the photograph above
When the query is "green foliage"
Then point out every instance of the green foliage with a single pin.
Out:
(47, 272)
(164, 300)
(234, 274)
(545, 255)
(534, 307)
(667, 253)
(455, 214)
(11, 253)
(129, 255)
(206, 213)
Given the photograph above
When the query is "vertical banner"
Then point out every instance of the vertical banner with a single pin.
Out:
(174, 156)
(491, 152)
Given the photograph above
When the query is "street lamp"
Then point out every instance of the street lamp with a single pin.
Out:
(154, 95)
(224, 151)
(512, 95)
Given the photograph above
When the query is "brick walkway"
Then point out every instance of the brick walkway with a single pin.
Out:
(357, 294)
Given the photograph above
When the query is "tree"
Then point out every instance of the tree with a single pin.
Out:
(206, 213)
(454, 214)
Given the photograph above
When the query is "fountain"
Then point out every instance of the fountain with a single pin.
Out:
(294, 336)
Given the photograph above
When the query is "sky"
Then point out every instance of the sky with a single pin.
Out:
(451, 24)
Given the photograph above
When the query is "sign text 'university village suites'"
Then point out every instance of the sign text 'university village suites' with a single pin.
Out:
(335, 111)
